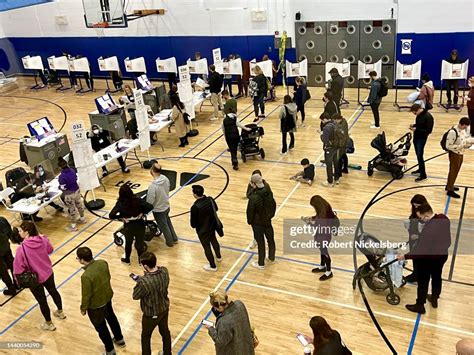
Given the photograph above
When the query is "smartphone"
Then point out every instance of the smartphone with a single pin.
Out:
(207, 322)
(134, 277)
(302, 339)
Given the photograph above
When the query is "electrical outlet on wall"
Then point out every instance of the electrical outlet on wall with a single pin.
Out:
(61, 20)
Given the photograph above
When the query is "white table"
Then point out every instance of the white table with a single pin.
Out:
(162, 120)
(112, 153)
(200, 97)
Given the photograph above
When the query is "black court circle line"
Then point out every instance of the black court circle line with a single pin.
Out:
(38, 99)
(187, 183)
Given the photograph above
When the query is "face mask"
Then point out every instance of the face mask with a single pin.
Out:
(41, 172)
(95, 131)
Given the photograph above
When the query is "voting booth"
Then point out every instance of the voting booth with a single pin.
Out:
(59, 64)
(111, 65)
(406, 73)
(453, 71)
(34, 63)
(363, 70)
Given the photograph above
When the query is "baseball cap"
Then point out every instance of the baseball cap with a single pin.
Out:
(257, 180)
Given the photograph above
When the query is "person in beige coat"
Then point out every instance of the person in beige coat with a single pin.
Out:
(178, 118)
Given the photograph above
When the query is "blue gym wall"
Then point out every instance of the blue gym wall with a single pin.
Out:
(430, 48)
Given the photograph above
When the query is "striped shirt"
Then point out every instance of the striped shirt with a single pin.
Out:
(152, 291)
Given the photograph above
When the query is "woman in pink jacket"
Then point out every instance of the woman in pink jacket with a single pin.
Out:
(33, 255)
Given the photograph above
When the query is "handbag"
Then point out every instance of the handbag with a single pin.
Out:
(219, 226)
(27, 279)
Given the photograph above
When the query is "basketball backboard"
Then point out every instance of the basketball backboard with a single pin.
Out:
(104, 13)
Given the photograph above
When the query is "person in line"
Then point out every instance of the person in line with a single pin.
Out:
(271, 80)
(71, 195)
(39, 179)
(131, 211)
(203, 219)
(453, 83)
(232, 333)
(470, 104)
(288, 123)
(227, 79)
(33, 255)
(414, 227)
(158, 196)
(331, 157)
(100, 139)
(343, 142)
(230, 128)
(330, 106)
(152, 291)
(230, 102)
(245, 78)
(6, 257)
(301, 96)
(336, 85)
(457, 142)
(215, 87)
(307, 175)
(177, 115)
(430, 255)
(422, 128)
(426, 95)
(375, 99)
(261, 209)
(258, 91)
(325, 340)
(325, 221)
(96, 299)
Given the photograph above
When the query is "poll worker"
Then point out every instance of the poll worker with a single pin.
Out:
(100, 139)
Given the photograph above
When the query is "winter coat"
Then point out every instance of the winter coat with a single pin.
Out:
(37, 250)
(288, 124)
(178, 119)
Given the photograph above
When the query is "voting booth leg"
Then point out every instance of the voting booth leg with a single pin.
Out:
(96, 203)
(62, 87)
(343, 99)
(109, 90)
(396, 104)
(358, 96)
(37, 86)
(81, 88)
(447, 107)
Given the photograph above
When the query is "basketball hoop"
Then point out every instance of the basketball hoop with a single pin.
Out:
(99, 28)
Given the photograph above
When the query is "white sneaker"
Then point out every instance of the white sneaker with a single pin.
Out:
(257, 266)
(374, 127)
(71, 228)
(253, 244)
(213, 118)
(82, 220)
(337, 182)
(270, 261)
(303, 125)
(218, 260)
(47, 326)
(59, 314)
(327, 184)
(286, 153)
(208, 267)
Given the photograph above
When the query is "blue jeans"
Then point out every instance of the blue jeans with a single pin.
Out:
(164, 223)
(419, 144)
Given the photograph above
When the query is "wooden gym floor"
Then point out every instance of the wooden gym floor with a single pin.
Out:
(282, 298)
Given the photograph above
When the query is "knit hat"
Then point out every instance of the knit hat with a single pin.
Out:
(425, 77)
(257, 180)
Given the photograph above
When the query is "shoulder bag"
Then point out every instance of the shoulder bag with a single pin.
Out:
(29, 278)
(219, 225)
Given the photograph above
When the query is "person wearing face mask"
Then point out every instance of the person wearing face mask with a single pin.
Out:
(40, 177)
(100, 139)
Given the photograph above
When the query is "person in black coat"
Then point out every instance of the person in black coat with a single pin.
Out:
(6, 257)
(204, 221)
(258, 88)
(100, 139)
(330, 106)
(230, 128)
(336, 85)
(215, 87)
(453, 83)
(422, 129)
(301, 97)
(131, 210)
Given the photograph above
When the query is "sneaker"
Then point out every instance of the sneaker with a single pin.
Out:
(82, 220)
(345, 171)
(453, 194)
(253, 244)
(319, 269)
(310, 182)
(374, 127)
(176, 241)
(208, 267)
(111, 352)
(327, 184)
(257, 266)
(256, 119)
(433, 301)
(105, 173)
(71, 228)
(337, 182)
(120, 343)
(213, 118)
(126, 170)
(125, 261)
(285, 153)
(303, 125)
(9, 292)
(48, 326)
(261, 116)
(235, 167)
(326, 276)
(291, 147)
(59, 314)
(269, 261)
(420, 178)
(219, 259)
(416, 308)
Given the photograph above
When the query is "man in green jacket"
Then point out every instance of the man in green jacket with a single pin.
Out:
(260, 211)
(97, 299)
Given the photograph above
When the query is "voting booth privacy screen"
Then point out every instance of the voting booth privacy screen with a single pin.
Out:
(41, 128)
(143, 83)
(105, 104)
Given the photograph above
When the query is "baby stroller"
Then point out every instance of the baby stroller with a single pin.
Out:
(390, 157)
(151, 231)
(382, 271)
(249, 142)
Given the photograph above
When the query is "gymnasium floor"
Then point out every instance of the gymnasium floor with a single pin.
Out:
(282, 298)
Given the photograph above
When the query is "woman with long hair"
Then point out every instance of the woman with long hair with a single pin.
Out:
(325, 221)
(131, 210)
(287, 124)
(33, 255)
(414, 230)
(258, 88)
(326, 340)
(178, 118)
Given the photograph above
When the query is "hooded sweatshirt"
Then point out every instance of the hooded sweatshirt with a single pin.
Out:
(37, 250)
(427, 92)
(284, 121)
(68, 181)
(158, 194)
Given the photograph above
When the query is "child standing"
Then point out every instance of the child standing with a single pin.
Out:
(307, 175)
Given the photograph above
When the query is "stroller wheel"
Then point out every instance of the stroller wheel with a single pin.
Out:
(397, 174)
(244, 158)
(404, 282)
(370, 170)
(393, 299)
(262, 153)
(118, 240)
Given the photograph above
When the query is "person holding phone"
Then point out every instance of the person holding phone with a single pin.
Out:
(96, 300)
(325, 340)
(152, 291)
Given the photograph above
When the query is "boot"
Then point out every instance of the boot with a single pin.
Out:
(182, 141)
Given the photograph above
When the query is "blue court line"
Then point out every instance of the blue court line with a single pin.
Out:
(413, 336)
(357, 118)
(446, 208)
(190, 339)
(58, 287)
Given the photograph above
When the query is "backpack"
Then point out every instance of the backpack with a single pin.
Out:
(383, 91)
(17, 178)
(253, 88)
(444, 139)
(269, 206)
(289, 120)
(341, 137)
(308, 95)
